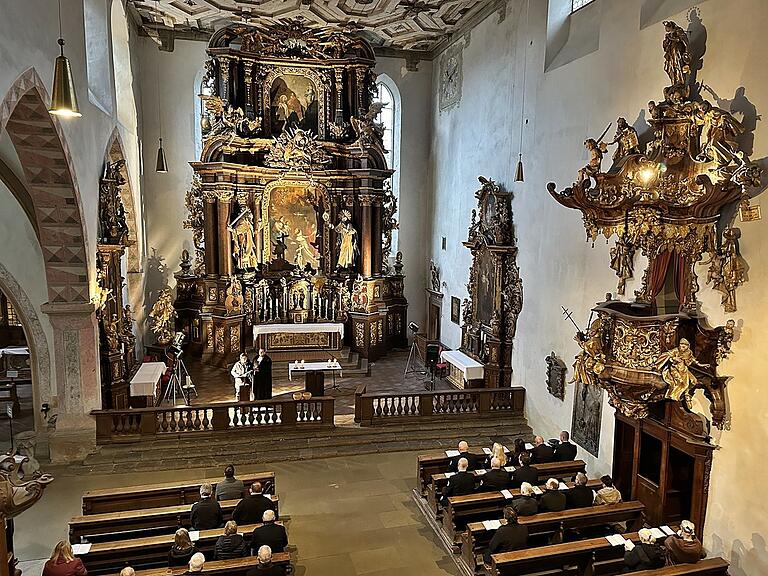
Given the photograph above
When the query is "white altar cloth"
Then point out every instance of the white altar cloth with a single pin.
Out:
(308, 366)
(14, 351)
(471, 368)
(298, 328)
(146, 378)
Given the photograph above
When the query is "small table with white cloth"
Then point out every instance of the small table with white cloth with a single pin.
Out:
(465, 371)
(319, 336)
(145, 383)
(326, 366)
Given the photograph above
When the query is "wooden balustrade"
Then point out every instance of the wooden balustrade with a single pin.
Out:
(133, 425)
(373, 409)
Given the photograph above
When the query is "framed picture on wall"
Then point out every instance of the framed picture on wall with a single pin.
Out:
(455, 310)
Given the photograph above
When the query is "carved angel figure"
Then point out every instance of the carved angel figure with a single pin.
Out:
(677, 59)
(626, 140)
(163, 316)
(674, 365)
(590, 362)
(367, 130)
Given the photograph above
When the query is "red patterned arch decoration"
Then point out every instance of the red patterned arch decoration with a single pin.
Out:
(50, 179)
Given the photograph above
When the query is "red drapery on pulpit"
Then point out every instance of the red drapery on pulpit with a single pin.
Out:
(657, 274)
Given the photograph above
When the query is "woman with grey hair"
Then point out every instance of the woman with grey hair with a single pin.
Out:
(646, 555)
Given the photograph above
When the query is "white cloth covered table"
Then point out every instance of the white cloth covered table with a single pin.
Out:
(146, 378)
(14, 351)
(309, 366)
(298, 328)
(469, 367)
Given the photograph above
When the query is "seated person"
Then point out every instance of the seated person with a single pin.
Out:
(250, 510)
(230, 544)
(510, 536)
(473, 462)
(520, 449)
(497, 451)
(269, 534)
(495, 479)
(230, 488)
(182, 550)
(265, 567)
(608, 494)
(580, 496)
(127, 571)
(542, 452)
(63, 562)
(553, 499)
(196, 564)
(525, 473)
(461, 483)
(566, 450)
(647, 555)
(206, 513)
(526, 504)
(684, 547)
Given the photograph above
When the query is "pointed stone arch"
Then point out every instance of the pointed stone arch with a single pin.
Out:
(51, 182)
(134, 250)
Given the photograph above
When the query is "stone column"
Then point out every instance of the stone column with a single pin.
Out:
(224, 206)
(77, 390)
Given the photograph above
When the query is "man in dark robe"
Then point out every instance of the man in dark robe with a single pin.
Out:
(263, 376)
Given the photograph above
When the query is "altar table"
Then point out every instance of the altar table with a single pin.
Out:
(321, 336)
(333, 367)
(145, 381)
(465, 372)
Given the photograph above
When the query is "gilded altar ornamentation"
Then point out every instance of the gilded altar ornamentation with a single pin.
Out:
(111, 334)
(234, 338)
(113, 228)
(622, 261)
(233, 301)
(220, 344)
(359, 334)
(556, 376)
(297, 150)
(590, 362)
(367, 131)
(728, 270)
(725, 336)
(194, 221)
(389, 224)
(626, 140)
(162, 316)
(243, 242)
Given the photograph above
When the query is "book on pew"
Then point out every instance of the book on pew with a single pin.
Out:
(480, 472)
(509, 468)
(562, 486)
(667, 530)
(491, 524)
(194, 535)
(629, 545)
(615, 540)
(452, 453)
(506, 450)
(507, 494)
(538, 491)
(80, 549)
(449, 474)
(528, 446)
(658, 534)
(487, 451)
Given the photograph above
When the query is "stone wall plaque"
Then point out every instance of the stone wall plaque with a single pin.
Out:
(587, 416)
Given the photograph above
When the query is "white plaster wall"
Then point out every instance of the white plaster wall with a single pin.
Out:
(573, 101)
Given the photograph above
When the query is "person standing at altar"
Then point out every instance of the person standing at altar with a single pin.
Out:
(241, 372)
(263, 376)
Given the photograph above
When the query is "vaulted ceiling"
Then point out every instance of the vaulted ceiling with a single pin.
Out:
(413, 25)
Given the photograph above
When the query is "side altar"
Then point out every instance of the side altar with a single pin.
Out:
(290, 204)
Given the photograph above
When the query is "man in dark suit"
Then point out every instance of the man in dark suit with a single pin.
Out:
(473, 461)
(580, 496)
(565, 451)
(526, 504)
(495, 479)
(250, 510)
(263, 376)
(542, 452)
(461, 483)
(508, 537)
(553, 499)
(269, 534)
(265, 567)
(206, 513)
(525, 473)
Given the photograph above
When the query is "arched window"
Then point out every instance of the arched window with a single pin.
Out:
(123, 70)
(576, 4)
(96, 57)
(389, 116)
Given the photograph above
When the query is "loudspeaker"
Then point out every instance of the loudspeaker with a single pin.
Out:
(314, 382)
(432, 355)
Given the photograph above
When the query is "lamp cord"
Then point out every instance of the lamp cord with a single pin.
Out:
(525, 70)
(157, 78)
(61, 39)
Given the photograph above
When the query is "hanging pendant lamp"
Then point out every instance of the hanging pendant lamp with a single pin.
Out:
(519, 172)
(64, 99)
(519, 176)
(161, 166)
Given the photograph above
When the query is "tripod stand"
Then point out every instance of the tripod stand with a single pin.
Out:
(175, 386)
(410, 366)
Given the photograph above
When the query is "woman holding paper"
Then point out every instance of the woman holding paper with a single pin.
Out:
(647, 555)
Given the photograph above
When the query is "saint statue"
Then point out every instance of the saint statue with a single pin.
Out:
(626, 140)
(718, 128)
(677, 59)
(111, 336)
(622, 255)
(243, 244)
(734, 270)
(590, 362)
(596, 151)
(674, 365)
(347, 238)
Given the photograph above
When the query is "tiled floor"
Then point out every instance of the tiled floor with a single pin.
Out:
(347, 516)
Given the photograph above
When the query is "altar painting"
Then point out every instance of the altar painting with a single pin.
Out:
(294, 104)
(486, 283)
(293, 222)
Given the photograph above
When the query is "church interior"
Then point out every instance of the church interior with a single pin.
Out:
(378, 287)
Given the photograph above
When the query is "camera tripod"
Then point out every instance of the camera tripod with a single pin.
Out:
(175, 386)
(410, 366)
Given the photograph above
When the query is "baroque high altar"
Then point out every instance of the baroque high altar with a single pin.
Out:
(668, 199)
(290, 206)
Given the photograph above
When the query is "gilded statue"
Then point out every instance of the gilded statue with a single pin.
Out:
(367, 130)
(725, 336)
(127, 337)
(233, 301)
(734, 270)
(111, 335)
(622, 261)
(596, 151)
(626, 141)
(243, 243)
(590, 362)
(467, 312)
(163, 316)
(347, 238)
(718, 128)
(677, 58)
(675, 370)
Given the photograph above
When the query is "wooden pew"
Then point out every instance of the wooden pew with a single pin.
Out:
(461, 510)
(435, 462)
(119, 525)
(559, 470)
(707, 567)
(476, 538)
(235, 567)
(158, 495)
(147, 552)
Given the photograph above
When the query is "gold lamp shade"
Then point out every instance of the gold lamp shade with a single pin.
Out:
(161, 165)
(64, 99)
